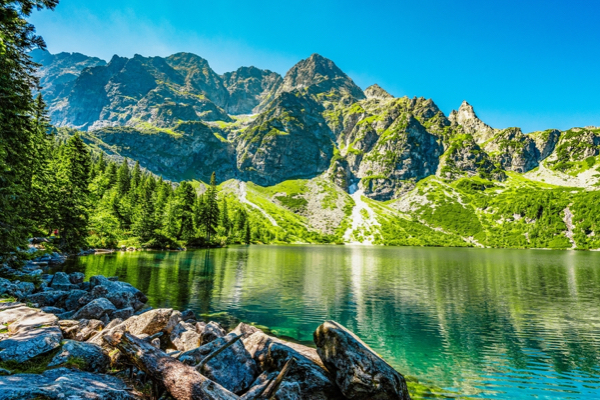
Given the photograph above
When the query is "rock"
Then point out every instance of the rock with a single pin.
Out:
(81, 330)
(88, 356)
(53, 310)
(16, 313)
(76, 278)
(63, 383)
(308, 371)
(187, 314)
(76, 299)
(99, 291)
(174, 319)
(138, 298)
(234, 368)
(96, 309)
(61, 281)
(151, 322)
(26, 345)
(66, 315)
(288, 390)
(33, 321)
(122, 314)
(25, 287)
(121, 299)
(245, 330)
(359, 372)
(211, 331)
(48, 298)
(185, 337)
(10, 304)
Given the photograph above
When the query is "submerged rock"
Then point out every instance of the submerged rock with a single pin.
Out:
(359, 372)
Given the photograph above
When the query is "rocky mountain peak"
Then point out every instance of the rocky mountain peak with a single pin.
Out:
(471, 124)
(377, 92)
(318, 74)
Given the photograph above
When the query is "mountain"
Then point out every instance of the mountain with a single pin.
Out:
(316, 151)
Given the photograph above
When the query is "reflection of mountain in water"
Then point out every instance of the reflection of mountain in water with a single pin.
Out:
(516, 322)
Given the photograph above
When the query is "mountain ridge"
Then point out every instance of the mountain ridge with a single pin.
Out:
(182, 120)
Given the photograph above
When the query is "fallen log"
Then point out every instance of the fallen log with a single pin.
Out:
(181, 381)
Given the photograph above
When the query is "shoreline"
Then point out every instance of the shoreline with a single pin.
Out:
(77, 320)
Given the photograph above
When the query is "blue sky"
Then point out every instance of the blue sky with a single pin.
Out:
(532, 64)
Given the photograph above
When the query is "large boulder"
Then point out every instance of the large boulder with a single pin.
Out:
(359, 372)
(185, 337)
(287, 390)
(33, 321)
(308, 372)
(151, 322)
(123, 313)
(209, 332)
(47, 298)
(80, 330)
(26, 345)
(76, 299)
(76, 278)
(138, 298)
(95, 309)
(61, 281)
(234, 368)
(86, 356)
(63, 383)
(121, 299)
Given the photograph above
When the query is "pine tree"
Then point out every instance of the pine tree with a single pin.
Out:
(17, 124)
(145, 221)
(111, 174)
(136, 176)
(225, 221)
(186, 198)
(123, 179)
(247, 233)
(73, 180)
(211, 214)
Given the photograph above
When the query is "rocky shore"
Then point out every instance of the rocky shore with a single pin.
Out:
(66, 338)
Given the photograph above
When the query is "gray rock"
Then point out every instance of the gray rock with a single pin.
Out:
(63, 383)
(89, 356)
(151, 322)
(185, 337)
(53, 310)
(49, 298)
(10, 304)
(28, 344)
(359, 372)
(66, 315)
(288, 390)
(76, 278)
(99, 291)
(210, 332)
(234, 368)
(308, 371)
(95, 309)
(61, 282)
(76, 299)
(139, 299)
(81, 330)
(25, 287)
(33, 321)
(187, 314)
(122, 314)
(121, 299)
(10, 315)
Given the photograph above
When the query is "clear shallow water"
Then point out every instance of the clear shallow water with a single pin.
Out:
(504, 324)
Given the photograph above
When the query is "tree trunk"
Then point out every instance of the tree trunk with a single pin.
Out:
(181, 381)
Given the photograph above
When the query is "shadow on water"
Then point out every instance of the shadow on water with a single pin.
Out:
(485, 323)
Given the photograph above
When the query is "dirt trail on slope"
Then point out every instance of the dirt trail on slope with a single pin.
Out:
(242, 196)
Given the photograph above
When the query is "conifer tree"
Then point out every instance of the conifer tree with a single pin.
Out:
(186, 197)
(123, 179)
(136, 176)
(73, 180)
(225, 221)
(145, 222)
(247, 233)
(211, 212)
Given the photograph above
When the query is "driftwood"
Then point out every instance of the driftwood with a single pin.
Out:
(270, 393)
(181, 381)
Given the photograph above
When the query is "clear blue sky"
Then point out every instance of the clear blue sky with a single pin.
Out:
(529, 63)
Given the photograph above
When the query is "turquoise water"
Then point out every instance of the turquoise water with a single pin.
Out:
(505, 324)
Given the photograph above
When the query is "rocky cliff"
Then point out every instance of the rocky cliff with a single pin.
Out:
(183, 120)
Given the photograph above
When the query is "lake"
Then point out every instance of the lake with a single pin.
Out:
(482, 323)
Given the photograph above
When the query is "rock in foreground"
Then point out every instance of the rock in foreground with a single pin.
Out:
(359, 372)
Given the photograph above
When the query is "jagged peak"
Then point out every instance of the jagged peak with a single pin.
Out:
(471, 124)
(377, 92)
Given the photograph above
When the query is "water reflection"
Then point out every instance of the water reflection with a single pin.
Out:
(487, 323)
